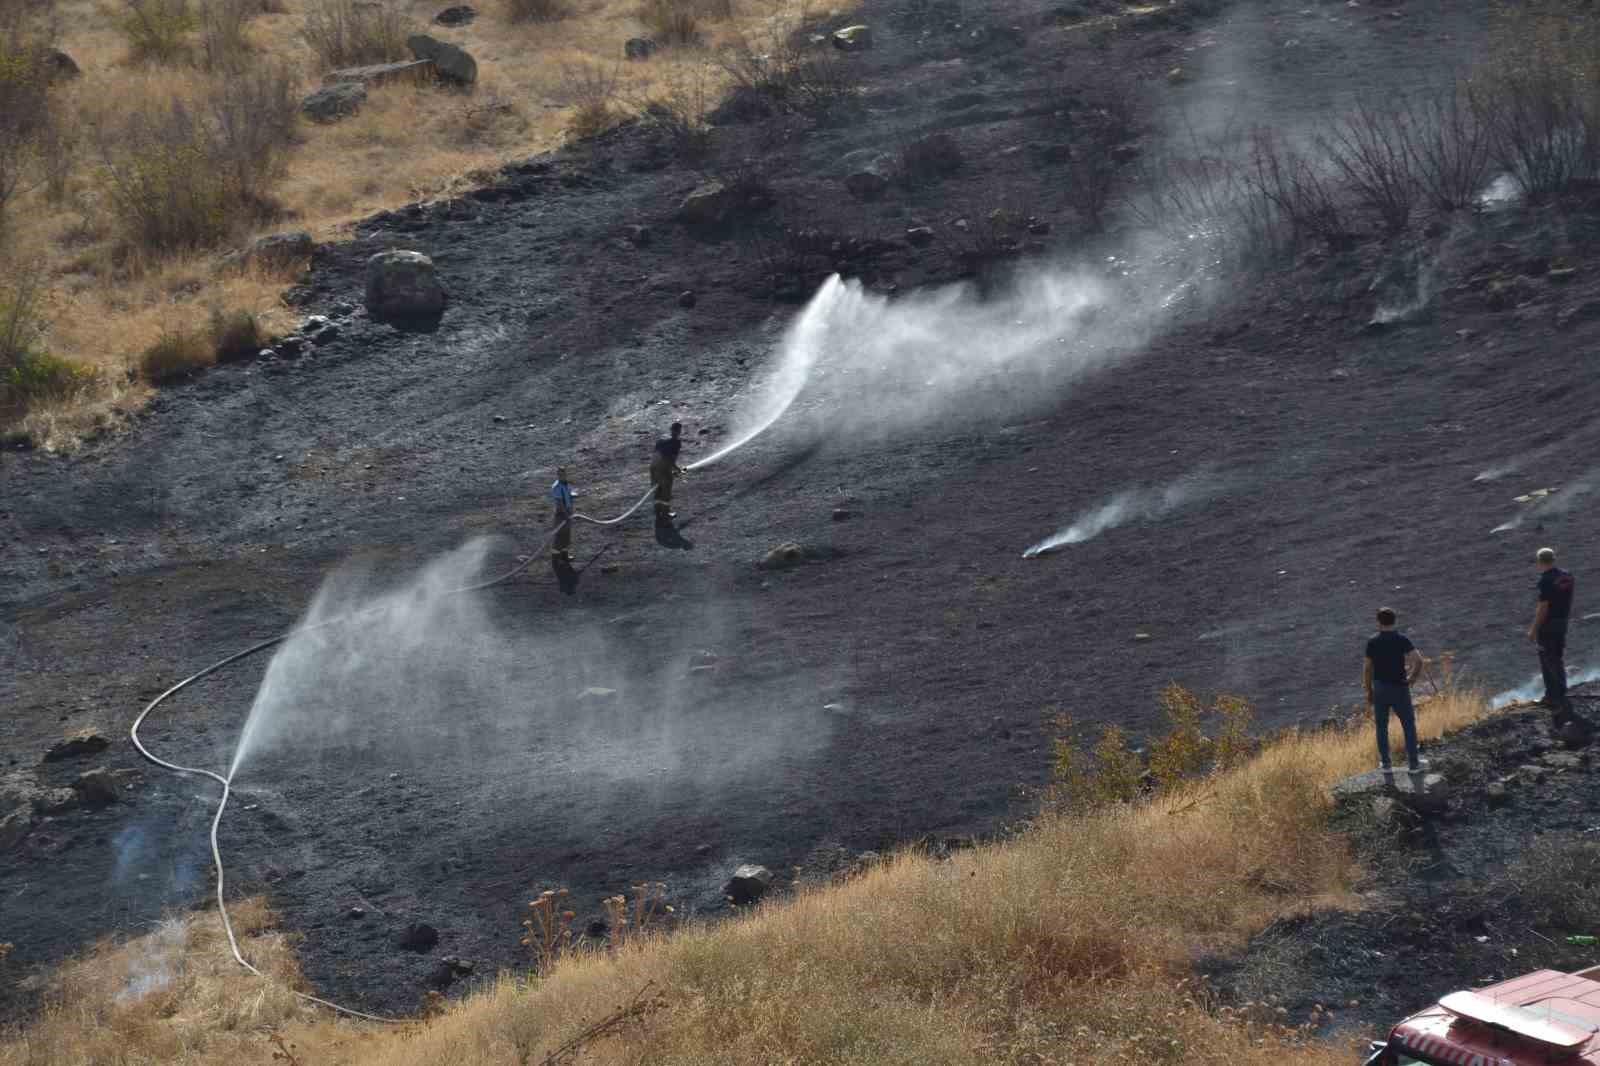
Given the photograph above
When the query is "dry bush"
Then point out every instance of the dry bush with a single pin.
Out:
(780, 64)
(174, 354)
(29, 374)
(235, 334)
(1558, 883)
(352, 33)
(1451, 147)
(1372, 147)
(590, 89)
(193, 174)
(223, 44)
(677, 106)
(158, 30)
(537, 10)
(27, 113)
(1298, 188)
(1543, 126)
(671, 21)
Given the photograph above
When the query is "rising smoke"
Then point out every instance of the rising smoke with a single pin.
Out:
(1542, 504)
(1533, 688)
(1129, 506)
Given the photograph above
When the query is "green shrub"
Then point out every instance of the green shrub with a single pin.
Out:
(175, 353)
(158, 30)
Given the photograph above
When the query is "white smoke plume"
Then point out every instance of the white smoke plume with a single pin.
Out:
(1533, 688)
(1129, 506)
(153, 962)
(1559, 500)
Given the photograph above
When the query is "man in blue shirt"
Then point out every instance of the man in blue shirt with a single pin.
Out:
(1549, 631)
(1392, 663)
(561, 494)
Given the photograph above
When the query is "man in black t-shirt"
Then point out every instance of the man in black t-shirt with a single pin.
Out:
(663, 468)
(1392, 663)
(1549, 631)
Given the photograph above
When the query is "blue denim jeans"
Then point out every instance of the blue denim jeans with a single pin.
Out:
(1386, 697)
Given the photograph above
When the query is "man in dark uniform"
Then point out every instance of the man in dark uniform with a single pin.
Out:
(561, 495)
(1549, 631)
(1392, 663)
(663, 468)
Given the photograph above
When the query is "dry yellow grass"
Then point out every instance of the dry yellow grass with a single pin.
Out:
(408, 143)
(1069, 944)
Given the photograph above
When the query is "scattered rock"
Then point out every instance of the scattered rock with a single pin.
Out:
(452, 63)
(686, 299)
(713, 203)
(15, 827)
(1497, 794)
(1577, 733)
(856, 38)
(460, 15)
(1562, 760)
(53, 802)
(639, 236)
(277, 251)
(868, 173)
(402, 284)
(597, 694)
(418, 936)
(96, 788)
(1560, 275)
(79, 744)
(448, 969)
(841, 514)
(639, 48)
(1531, 773)
(1584, 312)
(920, 236)
(378, 73)
(748, 884)
(334, 102)
(60, 66)
(702, 849)
(782, 556)
(1141, 636)
(356, 913)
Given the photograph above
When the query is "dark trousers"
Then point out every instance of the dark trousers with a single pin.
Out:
(1388, 696)
(563, 538)
(1553, 661)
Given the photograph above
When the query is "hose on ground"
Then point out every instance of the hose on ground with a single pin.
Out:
(226, 781)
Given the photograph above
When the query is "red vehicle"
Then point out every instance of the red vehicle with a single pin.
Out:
(1545, 1018)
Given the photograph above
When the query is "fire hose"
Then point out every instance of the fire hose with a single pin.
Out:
(226, 781)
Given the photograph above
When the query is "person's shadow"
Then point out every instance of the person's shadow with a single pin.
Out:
(668, 535)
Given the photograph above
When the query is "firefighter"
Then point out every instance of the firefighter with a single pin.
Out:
(663, 468)
(562, 495)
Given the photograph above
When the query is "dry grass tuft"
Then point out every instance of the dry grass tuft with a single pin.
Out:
(1070, 943)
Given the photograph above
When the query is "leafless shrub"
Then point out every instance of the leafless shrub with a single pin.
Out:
(223, 45)
(782, 66)
(158, 30)
(590, 89)
(1292, 185)
(191, 175)
(347, 33)
(671, 21)
(927, 159)
(1543, 126)
(537, 10)
(678, 106)
(25, 106)
(1371, 149)
(1450, 148)
(1558, 879)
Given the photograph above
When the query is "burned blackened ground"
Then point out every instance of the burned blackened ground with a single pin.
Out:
(1486, 890)
(930, 654)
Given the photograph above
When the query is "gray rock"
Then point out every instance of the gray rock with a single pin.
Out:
(60, 66)
(783, 555)
(334, 102)
(379, 73)
(15, 827)
(639, 236)
(853, 39)
(687, 300)
(448, 969)
(460, 15)
(96, 788)
(748, 884)
(841, 514)
(278, 251)
(639, 48)
(53, 802)
(1562, 760)
(867, 173)
(77, 745)
(418, 936)
(1497, 794)
(403, 284)
(920, 236)
(452, 63)
(1424, 793)
(707, 205)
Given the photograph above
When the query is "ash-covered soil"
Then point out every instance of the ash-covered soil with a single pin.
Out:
(1486, 889)
(897, 683)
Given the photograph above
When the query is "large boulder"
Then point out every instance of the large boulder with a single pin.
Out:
(403, 284)
(853, 39)
(459, 15)
(59, 66)
(867, 173)
(79, 744)
(15, 827)
(748, 884)
(452, 63)
(334, 102)
(639, 48)
(417, 936)
(379, 73)
(1424, 793)
(96, 788)
(277, 251)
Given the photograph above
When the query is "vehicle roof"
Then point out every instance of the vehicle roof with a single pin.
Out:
(1569, 1001)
